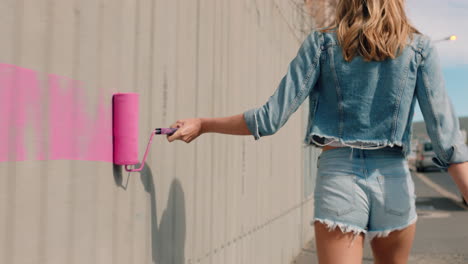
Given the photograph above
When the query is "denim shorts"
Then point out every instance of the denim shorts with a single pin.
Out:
(364, 191)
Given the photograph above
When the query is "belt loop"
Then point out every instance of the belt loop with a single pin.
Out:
(351, 156)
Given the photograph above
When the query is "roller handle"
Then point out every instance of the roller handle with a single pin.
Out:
(157, 131)
(165, 131)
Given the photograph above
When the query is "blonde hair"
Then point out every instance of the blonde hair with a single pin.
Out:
(374, 29)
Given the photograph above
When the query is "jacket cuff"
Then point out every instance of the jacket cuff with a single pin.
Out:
(251, 121)
(459, 155)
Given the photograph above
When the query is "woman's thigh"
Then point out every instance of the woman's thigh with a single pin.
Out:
(395, 248)
(340, 208)
(392, 222)
(334, 246)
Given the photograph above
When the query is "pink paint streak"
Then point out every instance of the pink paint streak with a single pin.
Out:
(53, 119)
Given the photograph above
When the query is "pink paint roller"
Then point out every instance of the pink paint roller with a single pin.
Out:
(125, 131)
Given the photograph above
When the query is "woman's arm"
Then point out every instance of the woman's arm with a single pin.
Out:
(233, 125)
(441, 121)
(459, 173)
(190, 129)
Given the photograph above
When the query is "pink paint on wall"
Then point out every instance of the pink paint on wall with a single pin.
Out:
(51, 119)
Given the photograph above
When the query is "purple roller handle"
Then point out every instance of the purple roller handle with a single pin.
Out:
(144, 156)
(165, 131)
(157, 131)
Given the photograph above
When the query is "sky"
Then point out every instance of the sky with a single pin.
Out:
(439, 19)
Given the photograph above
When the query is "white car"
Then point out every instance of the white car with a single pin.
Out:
(424, 155)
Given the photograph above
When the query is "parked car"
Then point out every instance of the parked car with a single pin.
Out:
(424, 155)
(412, 160)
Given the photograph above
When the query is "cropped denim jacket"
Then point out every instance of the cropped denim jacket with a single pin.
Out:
(363, 102)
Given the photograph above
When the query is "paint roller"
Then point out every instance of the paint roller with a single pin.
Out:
(125, 131)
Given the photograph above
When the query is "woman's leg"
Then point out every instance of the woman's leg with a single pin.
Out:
(337, 247)
(395, 248)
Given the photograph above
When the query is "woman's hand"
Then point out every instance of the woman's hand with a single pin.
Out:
(188, 130)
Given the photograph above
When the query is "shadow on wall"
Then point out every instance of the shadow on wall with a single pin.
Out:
(167, 239)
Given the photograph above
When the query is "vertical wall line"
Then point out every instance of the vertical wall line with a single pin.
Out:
(195, 174)
(115, 191)
(212, 141)
(10, 228)
(43, 169)
(136, 87)
(223, 108)
(176, 92)
(152, 85)
(73, 175)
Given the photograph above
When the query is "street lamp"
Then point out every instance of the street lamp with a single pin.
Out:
(449, 38)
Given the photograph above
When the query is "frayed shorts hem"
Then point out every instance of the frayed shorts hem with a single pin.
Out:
(369, 234)
(345, 228)
(384, 233)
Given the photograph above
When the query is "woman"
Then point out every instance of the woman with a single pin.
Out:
(363, 76)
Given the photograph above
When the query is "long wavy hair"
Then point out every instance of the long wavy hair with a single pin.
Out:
(374, 29)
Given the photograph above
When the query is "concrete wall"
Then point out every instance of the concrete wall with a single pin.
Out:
(220, 199)
(323, 11)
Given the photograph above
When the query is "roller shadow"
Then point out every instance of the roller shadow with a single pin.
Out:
(118, 176)
(167, 239)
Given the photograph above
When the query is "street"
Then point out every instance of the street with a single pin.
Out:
(442, 227)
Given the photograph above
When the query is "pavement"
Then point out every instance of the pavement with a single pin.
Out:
(441, 230)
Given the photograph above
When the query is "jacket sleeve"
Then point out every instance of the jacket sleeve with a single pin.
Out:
(442, 123)
(294, 87)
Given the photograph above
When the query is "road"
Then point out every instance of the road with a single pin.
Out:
(442, 227)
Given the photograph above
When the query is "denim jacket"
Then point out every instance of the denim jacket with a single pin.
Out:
(364, 102)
